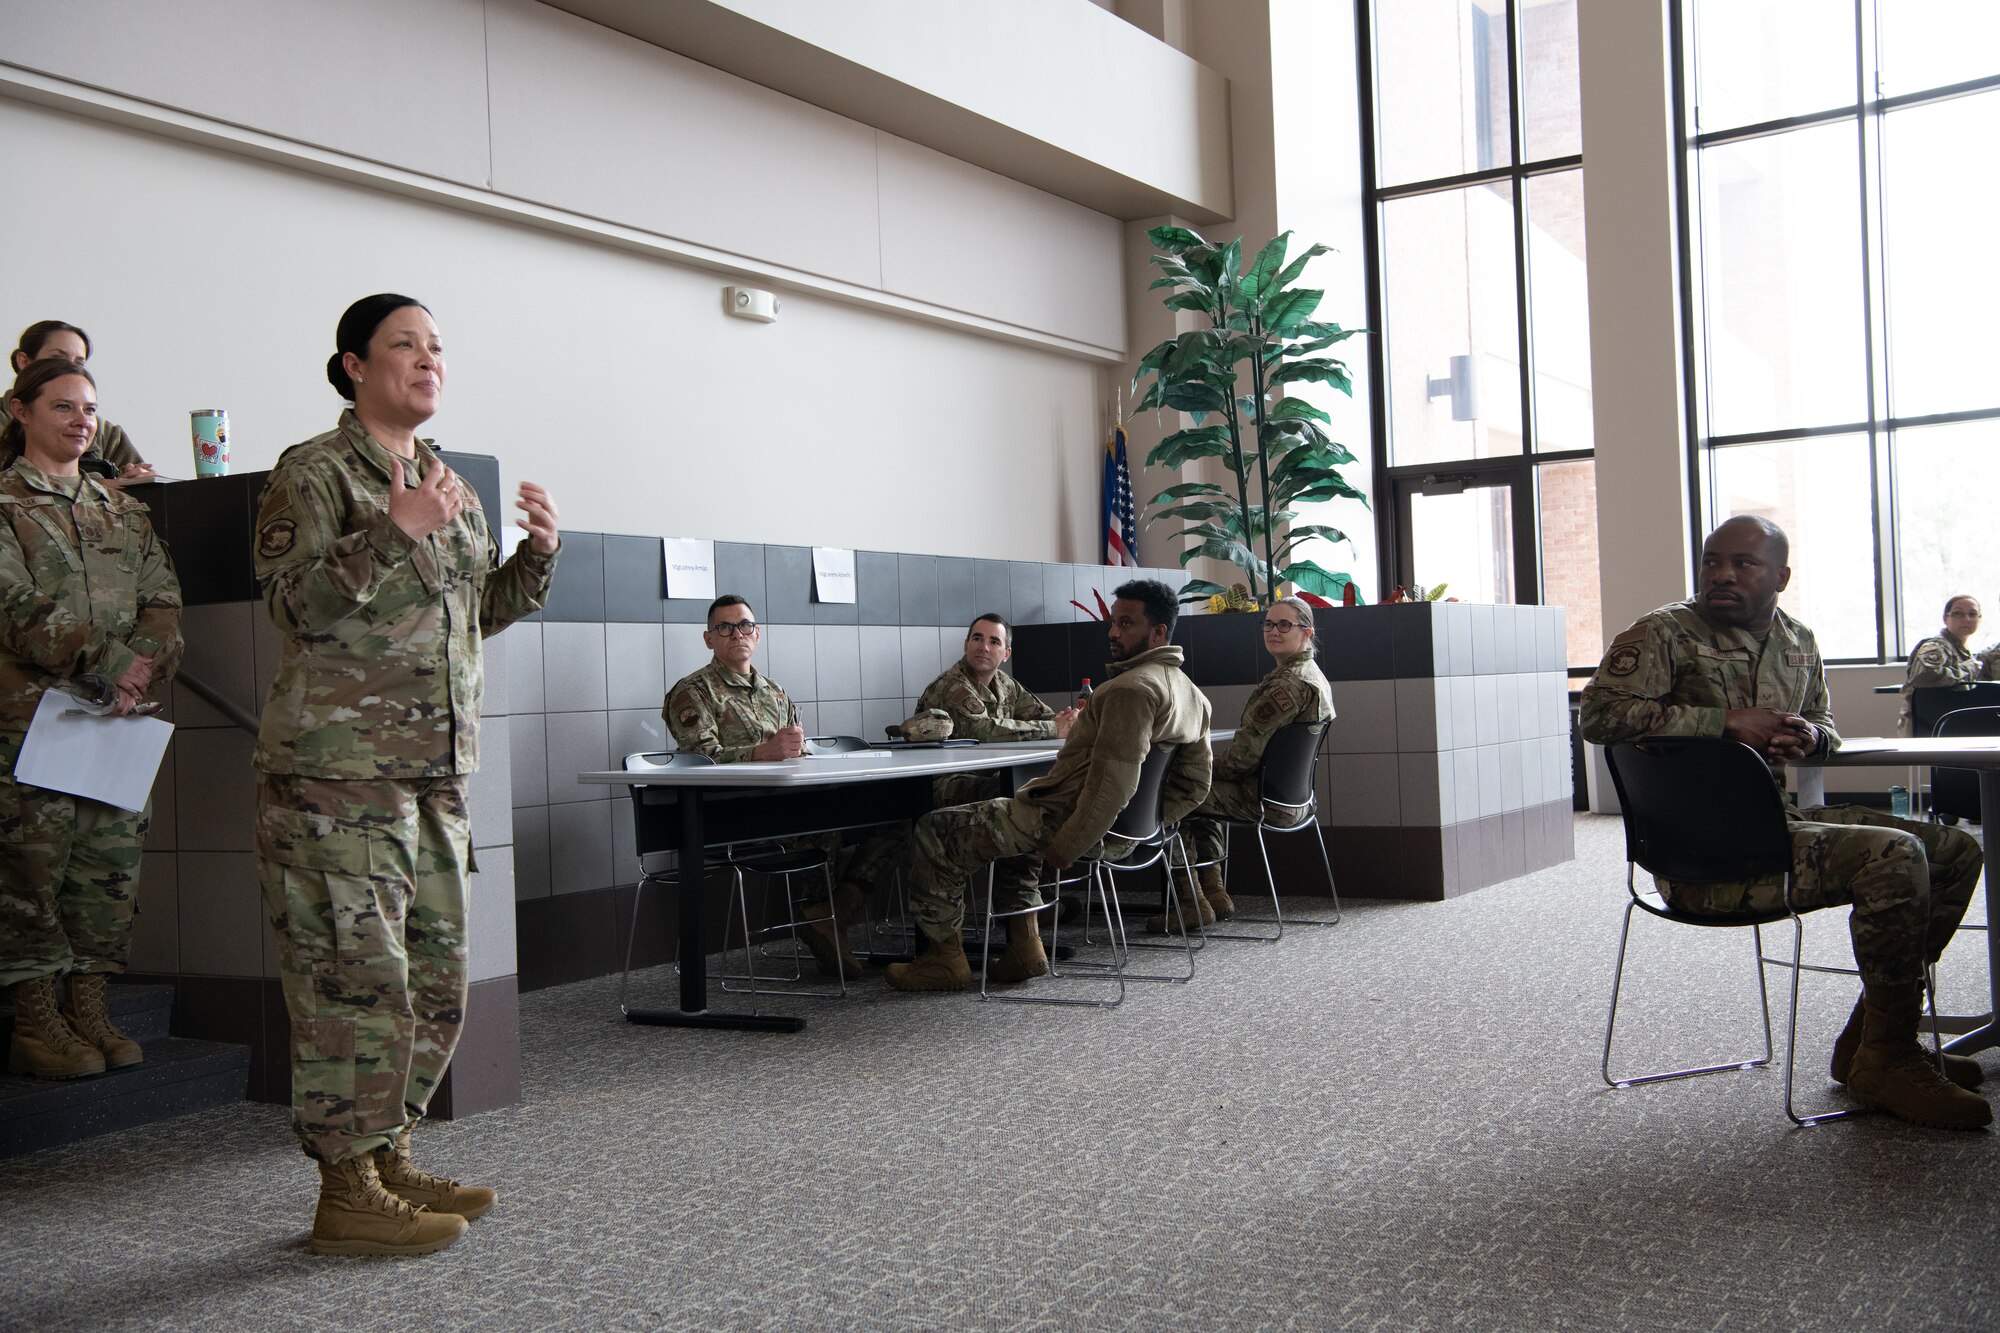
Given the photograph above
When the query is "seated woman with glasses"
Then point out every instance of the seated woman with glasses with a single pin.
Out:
(1943, 661)
(1294, 691)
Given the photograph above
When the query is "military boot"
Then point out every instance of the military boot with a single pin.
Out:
(829, 947)
(1024, 957)
(84, 1008)
(402, 1179)
(1219, 901)
(940, 967)
(1195, 911)
(1960, 1069)
(1892, 1071)
(357, 1216)
(44, 1045)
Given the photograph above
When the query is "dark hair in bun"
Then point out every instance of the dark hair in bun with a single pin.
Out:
(356, 327)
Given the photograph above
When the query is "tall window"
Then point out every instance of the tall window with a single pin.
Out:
(1841, 223)
(1485, 479)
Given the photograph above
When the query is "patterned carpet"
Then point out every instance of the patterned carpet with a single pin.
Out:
(1395, 1123)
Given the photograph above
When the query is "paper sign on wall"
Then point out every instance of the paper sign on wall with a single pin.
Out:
(833, 574)
(690, 568)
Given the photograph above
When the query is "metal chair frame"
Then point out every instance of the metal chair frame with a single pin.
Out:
(1299, 815)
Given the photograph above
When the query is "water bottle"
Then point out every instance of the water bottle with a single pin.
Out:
(1083, 695)
(1899, 802)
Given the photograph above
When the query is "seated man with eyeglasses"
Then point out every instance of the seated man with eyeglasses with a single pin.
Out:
(1062, 817)
(734, 714)
(1294, 691)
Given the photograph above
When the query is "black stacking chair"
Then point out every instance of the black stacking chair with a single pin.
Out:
(657, 870)
(1955, 791)
(1287, 781)
(1705, 810)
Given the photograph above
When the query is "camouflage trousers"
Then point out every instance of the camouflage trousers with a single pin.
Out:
(69, 879)
(886, 851)
(1909, 883)
(365, 885)
(1228, 798)
(949, 845)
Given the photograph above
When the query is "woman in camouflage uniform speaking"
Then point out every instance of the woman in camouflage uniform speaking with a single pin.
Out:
(89, 603)
(382, 574)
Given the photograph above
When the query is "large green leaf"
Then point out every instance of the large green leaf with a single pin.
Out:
(1205, 513)
(1174, 240)
(1184, 489)
(1193, 397)
(1199, 590)
(1154, 359)
(1226, 281)
(1198, 349)
(1149, 398)
(1309, 577)
(1317, 369)
(1195, 298)
(1184, 445)
(1298, 266)
(1235, 552)
(1297, 409)
(1257, 278)
(1287, 310)
(1306, 532)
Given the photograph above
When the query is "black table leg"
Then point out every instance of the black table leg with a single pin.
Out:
(694, 1011)
(1988, 1035)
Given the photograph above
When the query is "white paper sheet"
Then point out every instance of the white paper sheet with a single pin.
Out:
(108, 759)
(833, 574)
(690, 568)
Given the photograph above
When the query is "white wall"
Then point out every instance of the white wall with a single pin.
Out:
(214, 280)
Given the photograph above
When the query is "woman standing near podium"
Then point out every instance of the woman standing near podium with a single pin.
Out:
(383, 576)
(88, 604)
(1943, 661)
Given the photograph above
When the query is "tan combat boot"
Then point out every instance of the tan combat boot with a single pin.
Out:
(1024, 957)
(43, 1045)
(829, 949)
(83, 1006)
(357, 1216)
(1194, 912)
(401, 1178)
(1893, 1072)
(940, 967)
(1219, 901)
(1960, 1069)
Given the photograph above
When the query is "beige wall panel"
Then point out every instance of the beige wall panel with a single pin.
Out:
(962, 237)
(592, 121)
(613, 378)
(385, 80)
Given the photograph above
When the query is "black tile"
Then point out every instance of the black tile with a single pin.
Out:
(877, 588)
(206, 526)
(788, 581)
(483, 471)
(634, 579)
(1223, 650)
(1411, 629)
(993, 589)
(1030, 606)
(569, 937)
(578, 594)
(1089, 653)
(739, 569)
(1041, 657)
(917, 576)
(1356, 643)
(958, 602)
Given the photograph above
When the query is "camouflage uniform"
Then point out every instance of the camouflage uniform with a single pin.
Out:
(85, 586)
(1006, 710)
(1148, 700)
(1294, 691)
(1942, 662)
(1673, 674)
(370, 730)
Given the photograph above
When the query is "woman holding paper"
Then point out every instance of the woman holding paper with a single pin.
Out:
(88, 604)
(383, 575)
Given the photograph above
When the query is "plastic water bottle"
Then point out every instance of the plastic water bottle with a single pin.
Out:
(1083, 695)
(1899, 802)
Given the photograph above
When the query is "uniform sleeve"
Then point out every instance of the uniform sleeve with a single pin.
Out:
(1818, 708)
(692, 718)
(1118, 751)
(39, 629)
(115, 446)
(1274, 704)
(157, 632)
(517, 588)
(1189, 775)
(314, 575)
(1932, 667)
(1989, 663)
(1632, 694)
(971, 717)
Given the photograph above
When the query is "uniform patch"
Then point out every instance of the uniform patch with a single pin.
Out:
(1801, 659)
(276, 538)
(1623, 661)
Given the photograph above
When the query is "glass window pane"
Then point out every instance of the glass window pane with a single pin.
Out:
(1466, 542)
(1550, 103)
(1568, 502)
(1782, 281)
(1946, 540)
(1819, 492)
(1453, 342)
(1759, 60)
(1441, 85)
(1930, 43)
(1561, 311)
(1938, 217)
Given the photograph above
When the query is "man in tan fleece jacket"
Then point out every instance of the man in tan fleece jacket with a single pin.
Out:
(1061, 817)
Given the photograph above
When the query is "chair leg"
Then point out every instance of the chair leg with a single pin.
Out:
(631, 939)
(1792, 1040)
(1054, 973)
(1189, 930)
(1611, 1023)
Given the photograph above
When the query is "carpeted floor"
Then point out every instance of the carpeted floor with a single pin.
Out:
(1395, 1123)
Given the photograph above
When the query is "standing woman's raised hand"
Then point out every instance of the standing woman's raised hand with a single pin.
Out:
(422, 509)
(538, 517)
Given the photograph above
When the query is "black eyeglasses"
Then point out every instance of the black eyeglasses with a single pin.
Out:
(1284, 626)
(734, 629)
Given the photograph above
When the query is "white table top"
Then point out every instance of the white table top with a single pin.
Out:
(1947, 751)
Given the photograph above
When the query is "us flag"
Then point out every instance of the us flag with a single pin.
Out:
(1121, 529)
